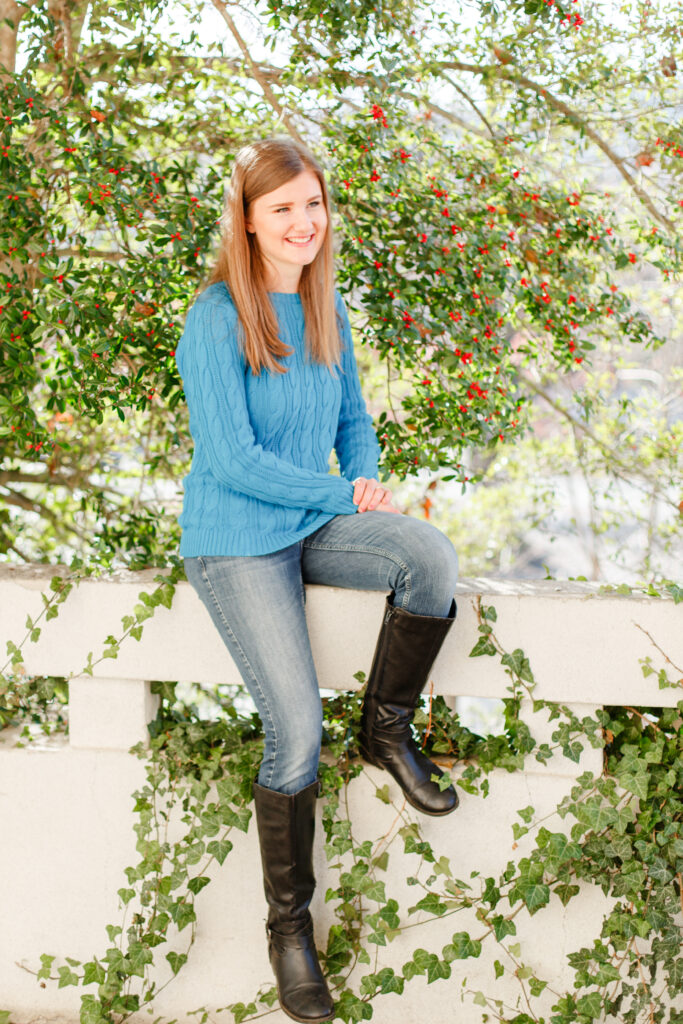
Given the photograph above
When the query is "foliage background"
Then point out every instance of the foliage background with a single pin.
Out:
(506, 180)
(507, 192)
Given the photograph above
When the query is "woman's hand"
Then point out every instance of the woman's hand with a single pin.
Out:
(372, 495)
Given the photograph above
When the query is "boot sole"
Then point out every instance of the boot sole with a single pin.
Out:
(432, 814)
(307, 1020)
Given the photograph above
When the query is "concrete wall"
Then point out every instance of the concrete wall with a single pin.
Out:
(67, 813)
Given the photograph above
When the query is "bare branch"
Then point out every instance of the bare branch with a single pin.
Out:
(620, 469)
(21, 501)
(517, 79)
(474, 106)
(282, 113)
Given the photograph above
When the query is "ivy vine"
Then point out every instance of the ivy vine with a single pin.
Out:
(621, 831)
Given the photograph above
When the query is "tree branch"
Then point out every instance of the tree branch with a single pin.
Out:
(282, 113)
(623, 470)
(517, 79)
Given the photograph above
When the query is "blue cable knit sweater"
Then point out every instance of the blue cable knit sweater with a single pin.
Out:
(259, 479)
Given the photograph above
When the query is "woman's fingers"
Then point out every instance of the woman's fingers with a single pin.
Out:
(369, 494)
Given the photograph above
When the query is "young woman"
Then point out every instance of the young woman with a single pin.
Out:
(271, 382)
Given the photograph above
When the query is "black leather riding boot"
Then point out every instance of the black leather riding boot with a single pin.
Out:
(406, 649)
(286, 826)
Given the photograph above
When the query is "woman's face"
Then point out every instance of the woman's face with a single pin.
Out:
(289, 224)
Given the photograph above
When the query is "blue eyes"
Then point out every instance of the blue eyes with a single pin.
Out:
(316, 202)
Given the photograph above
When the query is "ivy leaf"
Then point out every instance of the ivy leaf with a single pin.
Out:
(438, 969)
(241, 1011)
(519, 664)
(590, 1005)
(47, 962)
(196, 885)
(373, 889)
(382, 861)
(635, 782)
(566, 892)
(66, 977)
(350, 1008)
(431, 903)
(483, 646)
(269, 997)
(183, 913)
(535, 895)
(675, 975)
(93, 973)
(389, 913)
(461, 947)
(390, 981)
(91, 1010)
(503, 927)
(176, 960)
(418, 965)
(219, 848)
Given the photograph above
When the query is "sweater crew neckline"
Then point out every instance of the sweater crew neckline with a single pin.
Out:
(288, 298)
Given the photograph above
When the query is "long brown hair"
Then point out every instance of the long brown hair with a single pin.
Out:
(260, 168)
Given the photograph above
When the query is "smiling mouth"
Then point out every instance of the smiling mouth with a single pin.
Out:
(300, 242)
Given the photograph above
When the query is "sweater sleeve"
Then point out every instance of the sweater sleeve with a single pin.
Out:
(356, 443)
(211, 368)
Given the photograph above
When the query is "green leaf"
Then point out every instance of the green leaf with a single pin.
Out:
(196, 885)
(483, 646)
(92, 1011)
(535, 895)
(381, 862)
(47, 962)
(241, 1011)
(93, 973)
(566, 892)
(536, 986)
(176, 960)
(675, 977)
(635, 782)
(350, 1008)
(219, 848)
(503, 927)
(438, 969)
(461, 947)
(431, 903)
(66, 977)
(590, 1005)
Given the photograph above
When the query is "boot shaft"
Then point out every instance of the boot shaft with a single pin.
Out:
(286, 828)
(406, 649)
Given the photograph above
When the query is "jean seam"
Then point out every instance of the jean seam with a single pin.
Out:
(246, 662)
(367, 550)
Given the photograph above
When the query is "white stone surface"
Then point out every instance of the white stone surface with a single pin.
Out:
(579, 641)
(67, 808)
(110, 714)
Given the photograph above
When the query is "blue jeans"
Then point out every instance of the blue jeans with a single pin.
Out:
(257, 604)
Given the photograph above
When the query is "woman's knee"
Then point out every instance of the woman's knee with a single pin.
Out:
(432, 556)
(292, 752)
